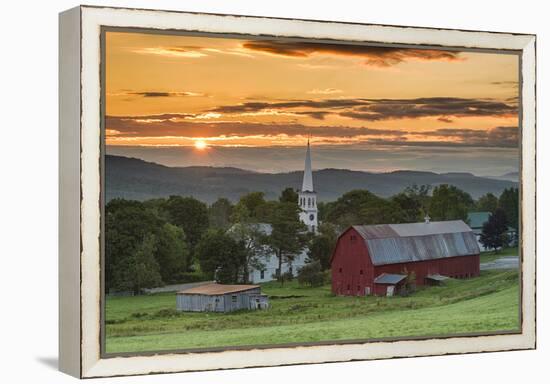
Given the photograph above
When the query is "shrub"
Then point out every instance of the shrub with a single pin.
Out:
(167, 312)
(311, 274)
(288, 276)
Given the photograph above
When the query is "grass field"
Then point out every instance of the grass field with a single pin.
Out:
(298, 314)
(489, 256)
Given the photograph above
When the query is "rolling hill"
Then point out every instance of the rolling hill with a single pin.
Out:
(136, 179)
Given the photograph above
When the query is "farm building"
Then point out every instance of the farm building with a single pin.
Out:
(221, 298)
(375, 259)
(476, 221)
(267, 265)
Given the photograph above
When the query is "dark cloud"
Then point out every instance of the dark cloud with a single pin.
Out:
(163, 94)
(374, 56)
(384, 109)
(166, 125)
(420, 143)
(260, 106)
(175, 125)
(512, 83)
(505, 137)
(162, 116)
(319, 115)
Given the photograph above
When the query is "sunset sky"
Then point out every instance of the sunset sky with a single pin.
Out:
(187, 100)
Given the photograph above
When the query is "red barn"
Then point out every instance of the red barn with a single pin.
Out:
(375, 259)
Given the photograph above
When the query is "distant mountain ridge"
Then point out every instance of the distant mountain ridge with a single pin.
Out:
(510, 176)
(132, 178)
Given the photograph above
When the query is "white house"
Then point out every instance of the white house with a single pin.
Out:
(307, 200)
(271, 262)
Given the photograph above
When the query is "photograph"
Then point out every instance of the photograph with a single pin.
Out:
(275, 191)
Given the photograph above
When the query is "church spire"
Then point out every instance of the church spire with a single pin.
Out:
(307, 183)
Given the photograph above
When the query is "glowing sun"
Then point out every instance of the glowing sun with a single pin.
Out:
(200, 144)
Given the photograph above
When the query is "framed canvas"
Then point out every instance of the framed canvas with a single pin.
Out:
(244, 191)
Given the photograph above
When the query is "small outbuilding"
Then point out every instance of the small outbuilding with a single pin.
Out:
(221, 298)
(389, 284)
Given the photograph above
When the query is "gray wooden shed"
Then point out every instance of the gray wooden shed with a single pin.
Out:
(221, 298)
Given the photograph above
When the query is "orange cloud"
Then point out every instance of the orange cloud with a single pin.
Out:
(183, 52)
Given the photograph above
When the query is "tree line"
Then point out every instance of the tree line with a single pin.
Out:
(181, 239)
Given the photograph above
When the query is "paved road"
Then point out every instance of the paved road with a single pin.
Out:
(505, 262)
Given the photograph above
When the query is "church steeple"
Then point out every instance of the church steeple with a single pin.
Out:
(307, 183)
(307, 196)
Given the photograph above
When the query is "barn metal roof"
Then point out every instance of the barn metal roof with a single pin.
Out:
(375, 231)
(389, 278)
(217, 289)
(401, 243)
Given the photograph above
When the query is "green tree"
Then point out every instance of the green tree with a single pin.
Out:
(189, 214)
(288, 195)
(509, 203)
(320, 250)
(450, 203)
(288, 237)
(362, 207)
(141, 269)
(311, 274)
(322, 245)
(411, 208)
(157, 207)
(254, 202)
(414, 200)
(172, 253)
(221, 257)
(252, 236)
(322, 210)
(127, 223)
(487, 203)
(495, 231)
(219, 213)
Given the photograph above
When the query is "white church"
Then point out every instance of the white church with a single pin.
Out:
(307, 199)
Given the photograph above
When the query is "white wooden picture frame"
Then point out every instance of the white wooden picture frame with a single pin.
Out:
(80, 289)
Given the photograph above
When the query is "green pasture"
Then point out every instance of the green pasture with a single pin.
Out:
(300, 314)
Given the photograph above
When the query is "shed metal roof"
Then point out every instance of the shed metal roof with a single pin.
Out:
(437, 277)
(389, 278)
(217, 289)
(401, 243)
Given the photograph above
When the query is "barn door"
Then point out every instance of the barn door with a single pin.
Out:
(389, 290)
